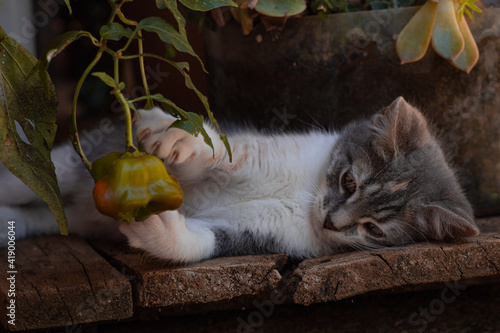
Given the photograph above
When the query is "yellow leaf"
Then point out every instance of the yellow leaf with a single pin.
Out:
(469, 56)
(242, 16)
(413, 41)
(447, 39)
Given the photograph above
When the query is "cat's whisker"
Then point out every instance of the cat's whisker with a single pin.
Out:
(378, 173)
(416, 229)
(403, 232)
(364, 151)
(312, 184)
(317, 127)
(356, 247)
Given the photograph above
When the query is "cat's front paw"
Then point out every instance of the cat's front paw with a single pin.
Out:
(175, 146)
(166, 236)
(153, 233)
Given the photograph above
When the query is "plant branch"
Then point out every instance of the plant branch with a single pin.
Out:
(141, 51)
(149, 103)
(75, 139)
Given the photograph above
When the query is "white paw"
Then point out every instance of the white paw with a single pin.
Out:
(175, 146)
(166, 236)
(152, 233)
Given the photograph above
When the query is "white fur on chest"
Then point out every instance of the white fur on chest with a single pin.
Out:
(272, 194)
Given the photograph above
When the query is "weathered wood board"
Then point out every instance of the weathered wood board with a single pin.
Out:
(63, 281)
(60, 281)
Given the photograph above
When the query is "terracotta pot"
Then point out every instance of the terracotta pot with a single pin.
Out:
(326, 72)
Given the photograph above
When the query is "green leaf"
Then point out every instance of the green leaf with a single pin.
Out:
(172, 6)
(69, 6)
(55, 47)
(168, 34)
(115, 31)
(182, 67)
(132, 106)
(189, 121)
(464, 7)
(191, 124)
(24, 101)
(205, 5)
(181, 23)
(280, 8)
(108, 80)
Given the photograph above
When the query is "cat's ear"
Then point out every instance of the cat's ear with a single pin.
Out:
(399, 127)
(448, 222)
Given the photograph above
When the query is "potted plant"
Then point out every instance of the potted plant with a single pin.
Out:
(28, 103)
(323, 68)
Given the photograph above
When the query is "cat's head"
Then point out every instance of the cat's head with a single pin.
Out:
(389, 184)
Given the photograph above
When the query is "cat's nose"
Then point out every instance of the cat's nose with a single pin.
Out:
(329, 224)
(338, 220)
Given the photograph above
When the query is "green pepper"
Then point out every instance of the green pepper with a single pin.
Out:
(134, 185)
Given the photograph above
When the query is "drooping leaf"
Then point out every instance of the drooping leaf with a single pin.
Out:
(191, 122)
(132, 106)
(115, 31)
(469, 56)
(69, 6)
(55, 47)
(172, 6)
(205, 5)
(182, 67)
(108, 80)
(413, 41)
(280, 8)
(447, 39)
(24, 101)
(168, 34)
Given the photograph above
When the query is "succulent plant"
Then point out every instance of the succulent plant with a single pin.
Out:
(443, 25)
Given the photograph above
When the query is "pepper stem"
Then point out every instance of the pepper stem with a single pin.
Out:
(149, 103)
(128, 121)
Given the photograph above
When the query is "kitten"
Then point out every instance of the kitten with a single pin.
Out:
(376, 183)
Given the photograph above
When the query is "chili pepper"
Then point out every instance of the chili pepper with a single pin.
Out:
(134, 185)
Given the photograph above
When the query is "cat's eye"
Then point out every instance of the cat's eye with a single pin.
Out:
(373, 230)
(348, 183)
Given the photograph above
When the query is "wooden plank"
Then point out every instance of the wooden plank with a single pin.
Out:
(157, 284)
(336, 277)
(61, 281)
